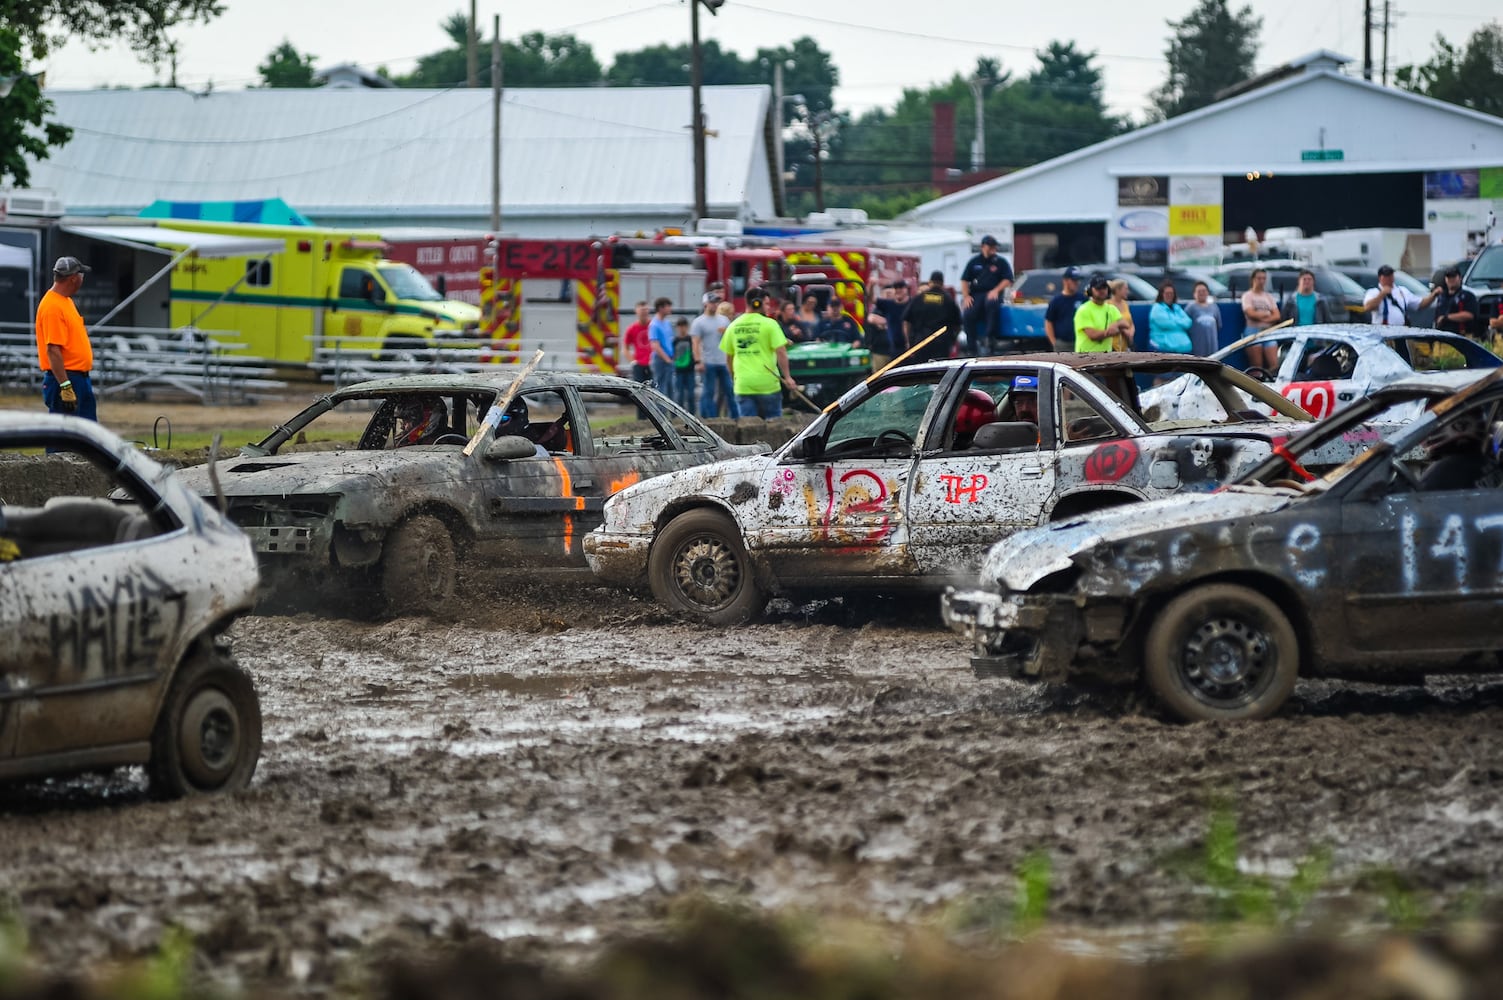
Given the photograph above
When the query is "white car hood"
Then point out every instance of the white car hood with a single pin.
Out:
(1021, 560)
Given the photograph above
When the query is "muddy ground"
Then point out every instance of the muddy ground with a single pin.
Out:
(556, 765)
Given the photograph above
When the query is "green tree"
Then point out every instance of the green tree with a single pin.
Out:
(669, 66)
(1471, 77)
(30, 29)
(1066, 74)
(286, 67)
(1211, 49)
(534, 60)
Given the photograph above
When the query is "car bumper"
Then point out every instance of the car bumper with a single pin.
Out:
(618, 558)
(1036, 637)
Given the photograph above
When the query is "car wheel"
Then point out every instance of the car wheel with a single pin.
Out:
(208, 736)
(1222, 652)
(699, 568)
(419, 569)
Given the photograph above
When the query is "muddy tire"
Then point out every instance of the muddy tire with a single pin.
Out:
(699, 569)
(419, 568)
(207, 738)
(1221, 652)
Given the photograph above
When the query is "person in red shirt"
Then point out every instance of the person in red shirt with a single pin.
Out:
(63, 347)
(636, 343)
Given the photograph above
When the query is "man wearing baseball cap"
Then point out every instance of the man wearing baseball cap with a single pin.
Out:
(984, 281)
(1059, 315)
(757, 352)
(1096, 320)
(63, 346)
(1456, 308)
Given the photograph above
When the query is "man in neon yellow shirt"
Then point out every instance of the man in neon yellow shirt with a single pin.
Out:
(753, 344)
(1097, 321)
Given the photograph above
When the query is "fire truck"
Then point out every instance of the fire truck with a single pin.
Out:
(570, 297)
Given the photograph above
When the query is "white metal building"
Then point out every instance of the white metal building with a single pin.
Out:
(1306, 145)
(574, 162)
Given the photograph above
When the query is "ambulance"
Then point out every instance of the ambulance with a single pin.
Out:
(325, 288)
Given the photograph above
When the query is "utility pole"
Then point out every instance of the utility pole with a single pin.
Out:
(496, 125)
(696, 81)
(777, 132)
(816, 124)
(1367, 40)
(1385, 42)
(471, 56)
(978, 143)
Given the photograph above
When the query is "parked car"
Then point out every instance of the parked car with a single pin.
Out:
(1324, 368)
(1184, 278)
(1385, 569)
(396, 512)
(911, 477)
(1367, 277)
(1484, 276)
(110, 622)
(1042, 284)
(1283, 277)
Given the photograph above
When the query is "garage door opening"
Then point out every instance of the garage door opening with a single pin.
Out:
(1316, 203)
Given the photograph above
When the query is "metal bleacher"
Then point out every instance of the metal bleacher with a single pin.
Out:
(206, 365)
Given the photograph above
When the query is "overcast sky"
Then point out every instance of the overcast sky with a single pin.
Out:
(900, 43)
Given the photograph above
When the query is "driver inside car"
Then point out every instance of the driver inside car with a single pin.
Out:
(420, 420)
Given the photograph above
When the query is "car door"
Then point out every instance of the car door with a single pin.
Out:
(1422, 570)
(971, 488)
(93, 611)
(835, 503)
(1319, 372)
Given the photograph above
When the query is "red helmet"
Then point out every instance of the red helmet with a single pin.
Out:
(976, 410)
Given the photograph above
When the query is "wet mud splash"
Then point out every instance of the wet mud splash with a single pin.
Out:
(551, 769)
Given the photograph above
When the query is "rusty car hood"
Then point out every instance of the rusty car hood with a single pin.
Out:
(322, 471)
(1021, 560)
(730, 481)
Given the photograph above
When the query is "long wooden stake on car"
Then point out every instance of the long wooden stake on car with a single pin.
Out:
(498, 409)
(897, 360)
(796, 390)
(1254, 336)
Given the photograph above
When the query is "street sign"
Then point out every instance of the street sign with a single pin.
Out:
(1321, 154)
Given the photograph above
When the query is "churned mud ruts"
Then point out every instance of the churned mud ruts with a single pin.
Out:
(550, 767)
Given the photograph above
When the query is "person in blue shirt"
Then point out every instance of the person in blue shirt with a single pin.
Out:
(1059, 315)
(1304, 306)
(983, 284)
(660, 332)
(838, 326)
(1168, 323)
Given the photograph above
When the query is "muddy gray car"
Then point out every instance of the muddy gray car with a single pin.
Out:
(908, 480)
(110, 618)
(1388, 568)
(394, 512)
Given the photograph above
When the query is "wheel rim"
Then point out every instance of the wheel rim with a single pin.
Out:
(707, 571)
(209, 739)
(432, 577)
(1226, 660)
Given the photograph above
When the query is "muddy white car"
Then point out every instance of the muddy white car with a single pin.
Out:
(1325, 368)
(909, 479)
(1385, 569)
(390, 518)
(110, 618)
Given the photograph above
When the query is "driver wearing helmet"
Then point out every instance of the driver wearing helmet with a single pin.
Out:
(552, 436)
(976, 410)
(420, 420)
(1025, 398)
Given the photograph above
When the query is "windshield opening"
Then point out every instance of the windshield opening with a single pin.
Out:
(406, 283)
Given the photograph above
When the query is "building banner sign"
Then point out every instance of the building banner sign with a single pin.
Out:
(1195, 189)
(1134, 192)
(1195, 220)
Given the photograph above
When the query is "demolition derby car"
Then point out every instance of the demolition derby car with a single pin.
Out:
(1387, 568)
(397, 509)
(1327, 367)
(109, 618)
(912, 476)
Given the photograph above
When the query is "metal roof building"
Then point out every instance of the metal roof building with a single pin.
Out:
(575, 162)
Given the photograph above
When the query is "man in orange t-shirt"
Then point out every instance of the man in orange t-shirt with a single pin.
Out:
(63, 346)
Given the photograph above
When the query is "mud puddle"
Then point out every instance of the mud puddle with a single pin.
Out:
(555, 771)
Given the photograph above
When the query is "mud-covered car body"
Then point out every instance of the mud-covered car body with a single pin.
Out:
(1386, 568)
(519, 499)
(885, 490)
(1326, 367)
(106, 607)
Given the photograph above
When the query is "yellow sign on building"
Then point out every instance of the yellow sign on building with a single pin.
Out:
(1194, 220)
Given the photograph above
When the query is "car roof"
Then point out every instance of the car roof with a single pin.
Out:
(501, 379)
(1369, 332)
(1084, 362)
